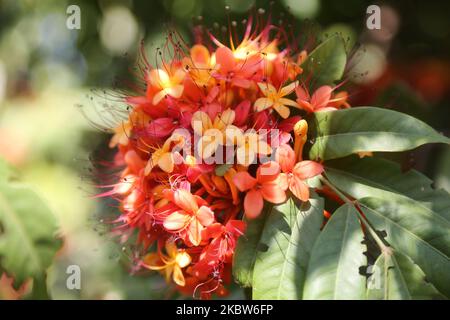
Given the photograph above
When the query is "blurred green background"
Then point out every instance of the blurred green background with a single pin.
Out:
(46, 70)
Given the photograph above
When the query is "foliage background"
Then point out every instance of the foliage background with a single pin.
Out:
(46, 70)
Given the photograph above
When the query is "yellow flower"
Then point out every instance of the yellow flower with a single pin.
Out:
(167, 84)
(121, 134)
(163, 157)
(249, 145)
(169, 264)
(275, 98)
(214, 133)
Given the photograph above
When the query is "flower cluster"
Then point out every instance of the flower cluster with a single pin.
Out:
(217, 131)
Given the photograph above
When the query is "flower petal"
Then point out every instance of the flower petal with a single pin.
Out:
(225, 58)
(185, 200)
(267, 172)
(285, 156)
(241, 112)
(282, 110)
(321, 97)
(273, 192)
(194, 232)
(262, 104)
(176, 221)
(208, 144)
(166, 162)
(288, 89)
(175, 91)
(205, 215)
(267, 89)
(288, 102)
(223, 120)
(178, 276)
(302, 93)
(200, 54)
(253, 204)
(152, 261)
(299, 188)
(158, 97)
(159, 78)
(307, 169)
(244, 181)
(201, 122)
(183, 259)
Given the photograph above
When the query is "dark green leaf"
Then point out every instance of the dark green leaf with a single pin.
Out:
(247, 248)
(326, 63)
(420, 234)
(396, 277)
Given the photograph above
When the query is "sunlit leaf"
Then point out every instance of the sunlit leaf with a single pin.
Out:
(333, 269)
(376, 177)
(341, 133)
(288, 237)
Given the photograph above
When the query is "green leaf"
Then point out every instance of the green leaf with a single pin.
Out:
(247, 248)
(420, 234)
(28, 228)
(326, 63)
(340, 133)
(381, 178)
(286, 243)
(396, 277)
(333, 269)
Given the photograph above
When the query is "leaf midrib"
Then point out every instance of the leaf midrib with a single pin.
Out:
(382, 187)
(407, 231)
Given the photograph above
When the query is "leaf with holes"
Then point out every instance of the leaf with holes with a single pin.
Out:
(418, 233)
(286, 242)
(398, 278)
(333, 269)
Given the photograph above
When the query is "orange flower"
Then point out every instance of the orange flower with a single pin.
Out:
(265, 187)
(200, 65)
(192, 217)
(294, 174)
(170, 264)
(275, 98)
